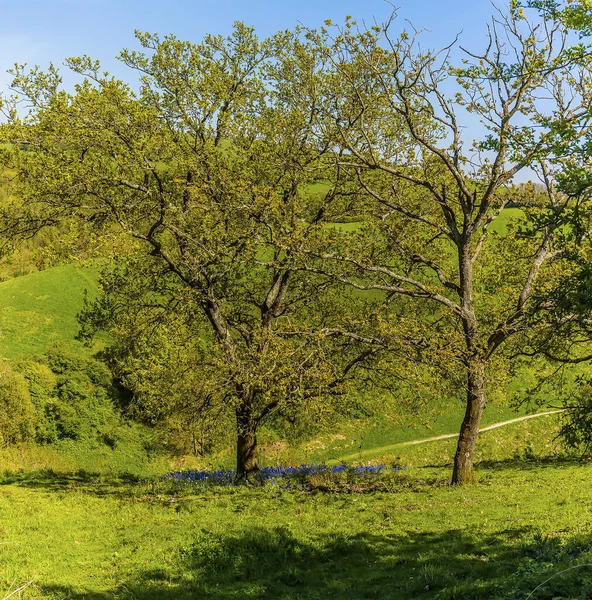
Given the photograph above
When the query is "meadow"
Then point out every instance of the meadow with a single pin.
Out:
(40, 309)
(100, 536)
(79, 521)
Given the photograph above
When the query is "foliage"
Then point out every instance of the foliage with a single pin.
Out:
(74, 398)
(41, 382)
(17, 412)
(164, 360)
(575, 14)
(560, 314)
(576, 429)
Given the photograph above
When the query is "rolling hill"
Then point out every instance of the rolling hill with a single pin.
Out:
(40, 309)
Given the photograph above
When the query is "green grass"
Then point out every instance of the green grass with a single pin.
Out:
(366, 437)
(500, 225)
(346, 227)
(81, 535)
(41, 308)
(129, 456)
(105, 535)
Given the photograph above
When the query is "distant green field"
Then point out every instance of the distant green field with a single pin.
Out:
(41, 308)
(500, 225)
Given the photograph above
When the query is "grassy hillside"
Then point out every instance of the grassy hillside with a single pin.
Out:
(500, 225)
(364, 440)
(41, 308)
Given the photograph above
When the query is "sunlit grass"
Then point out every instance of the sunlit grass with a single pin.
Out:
(84, 535)
(41, 308)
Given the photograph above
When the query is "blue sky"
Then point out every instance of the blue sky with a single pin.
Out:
(40, 31)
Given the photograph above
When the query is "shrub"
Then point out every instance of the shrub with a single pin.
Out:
(61, 359)
(41, 381)
(74, 397)
(17, 412)
(84, 410)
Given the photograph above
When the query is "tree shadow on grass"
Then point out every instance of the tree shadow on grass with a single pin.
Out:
(275, 564)
(91, 482)
(536, 462)
(518, 463)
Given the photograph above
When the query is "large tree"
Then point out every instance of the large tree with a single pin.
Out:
(214, 172)
(436, 148)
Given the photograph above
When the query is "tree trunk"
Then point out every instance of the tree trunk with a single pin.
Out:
(463, 459)
(247, 459)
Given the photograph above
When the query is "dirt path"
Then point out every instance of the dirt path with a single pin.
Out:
(446, 436)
